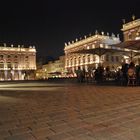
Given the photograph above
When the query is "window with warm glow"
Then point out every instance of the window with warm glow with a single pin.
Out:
(83, 59)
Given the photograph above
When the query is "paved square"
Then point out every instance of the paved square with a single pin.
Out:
(65, 111)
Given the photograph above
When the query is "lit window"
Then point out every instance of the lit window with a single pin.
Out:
(9, 65)
(16, 65)
(88, 58)
(1, 65)
(93, 45)
(83, 59)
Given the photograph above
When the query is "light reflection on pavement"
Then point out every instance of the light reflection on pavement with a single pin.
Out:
(30, 86)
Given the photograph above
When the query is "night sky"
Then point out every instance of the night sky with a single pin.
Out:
(49, 24)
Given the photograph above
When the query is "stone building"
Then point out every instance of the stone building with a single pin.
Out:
(86, 60)
(131, 30)
(53, 69)
(17, 63)
(131, 35)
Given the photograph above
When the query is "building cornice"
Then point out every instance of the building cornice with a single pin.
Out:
(102, 38)
(131, 25)
(17, 49)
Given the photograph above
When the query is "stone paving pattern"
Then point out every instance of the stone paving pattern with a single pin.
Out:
(70, 112)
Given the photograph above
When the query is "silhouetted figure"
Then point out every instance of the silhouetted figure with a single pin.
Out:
(79, 75)
(138, 74)
(124, 71)
(131, 74)
(119, 77)
(99, 74)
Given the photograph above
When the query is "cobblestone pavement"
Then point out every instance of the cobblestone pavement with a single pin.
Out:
(47, 111)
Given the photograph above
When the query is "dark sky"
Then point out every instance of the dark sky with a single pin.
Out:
(48, 24)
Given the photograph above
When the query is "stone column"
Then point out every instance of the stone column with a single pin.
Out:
(19, 75)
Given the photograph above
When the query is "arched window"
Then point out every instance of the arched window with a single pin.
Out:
(83, 59)
(88, 58)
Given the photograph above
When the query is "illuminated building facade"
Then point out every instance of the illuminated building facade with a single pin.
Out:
(131, 34)
(17, 63)
(131, 30)
(53, 69)
(85, 61)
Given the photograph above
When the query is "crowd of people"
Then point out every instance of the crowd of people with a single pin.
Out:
(128, 74)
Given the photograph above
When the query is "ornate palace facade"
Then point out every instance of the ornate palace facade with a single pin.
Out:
(85, 60)
(131, 30)
(17, 63)
(131, 34)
